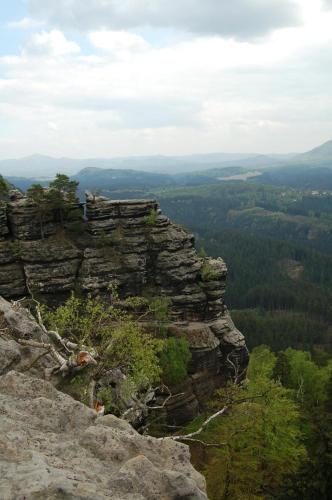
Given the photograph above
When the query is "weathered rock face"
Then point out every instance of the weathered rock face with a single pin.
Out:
(24, 220)
(53, 447)
(133, 244)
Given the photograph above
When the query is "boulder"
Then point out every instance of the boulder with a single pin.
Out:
(54, 447)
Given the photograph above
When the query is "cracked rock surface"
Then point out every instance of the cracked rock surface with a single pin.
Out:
(53, 447)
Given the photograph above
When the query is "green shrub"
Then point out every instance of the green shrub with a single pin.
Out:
(207, 272)
(174, 361)
(117, 339)
(151, 219)
(201, 253)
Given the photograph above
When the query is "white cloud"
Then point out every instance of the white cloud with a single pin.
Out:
(25, 23)
(52, 126)
(198, 95)
(119, 43)
(52, 43)
(241, 18)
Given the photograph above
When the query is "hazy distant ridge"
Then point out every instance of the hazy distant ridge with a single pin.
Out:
(46, 166)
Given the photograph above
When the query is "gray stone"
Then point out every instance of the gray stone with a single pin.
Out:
(143, 256)
(54, 447)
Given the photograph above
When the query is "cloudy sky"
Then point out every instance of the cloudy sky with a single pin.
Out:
(102, 78)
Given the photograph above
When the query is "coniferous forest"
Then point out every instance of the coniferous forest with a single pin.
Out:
(277, 245)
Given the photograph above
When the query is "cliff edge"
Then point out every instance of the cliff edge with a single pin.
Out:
(54, 447)
(130, 243)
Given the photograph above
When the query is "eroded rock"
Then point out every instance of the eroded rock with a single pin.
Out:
(132, 244)
(53, 447)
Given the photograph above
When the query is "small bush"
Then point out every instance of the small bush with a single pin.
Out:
(207, 272)
(151, 219)
(174, 361)
(202, 253)
(117, 339)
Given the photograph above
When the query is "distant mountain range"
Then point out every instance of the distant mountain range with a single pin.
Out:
(320, 156)
(46, 166)
(312, 169)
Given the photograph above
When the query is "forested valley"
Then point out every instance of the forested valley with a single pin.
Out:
(277, 243)
(269, 435)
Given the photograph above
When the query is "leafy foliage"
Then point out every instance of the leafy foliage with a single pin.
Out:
(260, 438)
(151, 219)
(61, 193)
(308, 380)
(280, 329)
(118, 340)
(63, 185)
(174, 361)
(207, 272)
(159, 307)
(4, 188)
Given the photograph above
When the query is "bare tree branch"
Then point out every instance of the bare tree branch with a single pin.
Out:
(203, 443)
(91, 393)
(169, 397)
(36, 360)
(186, 437)
(41, 345)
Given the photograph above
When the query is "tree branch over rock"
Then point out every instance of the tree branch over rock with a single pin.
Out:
(101, 352)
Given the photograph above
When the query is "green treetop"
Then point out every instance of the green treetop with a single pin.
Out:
(3, 187)
(39, 196)
(62, 190)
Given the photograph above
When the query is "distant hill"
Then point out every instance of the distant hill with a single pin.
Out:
(114, 179)
(41, 166)
(320, 156)
(312, 169)
(299, 176)
(46, 166)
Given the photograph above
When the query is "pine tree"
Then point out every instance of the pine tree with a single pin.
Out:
(62, 191)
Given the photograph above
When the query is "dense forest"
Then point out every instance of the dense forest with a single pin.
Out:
(274, 441)
(277, 431)
(277, 243)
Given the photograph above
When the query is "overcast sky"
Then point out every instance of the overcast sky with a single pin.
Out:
(103, 78)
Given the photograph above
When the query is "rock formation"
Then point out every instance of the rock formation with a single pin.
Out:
(132, 244)
(53, 447)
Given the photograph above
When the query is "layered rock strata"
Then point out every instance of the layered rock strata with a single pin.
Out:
(132, 244)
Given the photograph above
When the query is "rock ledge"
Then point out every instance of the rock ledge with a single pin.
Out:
(53, 447)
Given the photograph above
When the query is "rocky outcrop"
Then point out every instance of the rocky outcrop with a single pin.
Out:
(4, 231)
(24, 218)
(53, 447)
(130, 243)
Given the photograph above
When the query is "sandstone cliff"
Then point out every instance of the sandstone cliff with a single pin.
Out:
(53, 447)
(132, 244)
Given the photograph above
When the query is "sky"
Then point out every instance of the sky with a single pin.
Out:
(105, 78)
